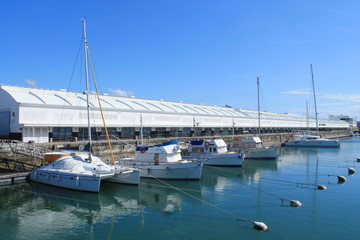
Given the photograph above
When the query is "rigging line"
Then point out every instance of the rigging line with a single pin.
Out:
(203, 201)
(69, 85)
(101, 111)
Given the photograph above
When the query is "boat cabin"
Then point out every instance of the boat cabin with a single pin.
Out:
(206, 146)
(164, 152)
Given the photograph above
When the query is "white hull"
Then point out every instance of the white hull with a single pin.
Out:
(228, 159)
(75, 181)
(179, 171)
(261, 153)
(313, 143)
(126, 177)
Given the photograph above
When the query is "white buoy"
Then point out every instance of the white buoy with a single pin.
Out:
(260, 226)
(341, 179)
(295, 203)
(321, 187)
(351, 171)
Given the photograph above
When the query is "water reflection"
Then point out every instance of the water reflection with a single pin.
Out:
(168, 196)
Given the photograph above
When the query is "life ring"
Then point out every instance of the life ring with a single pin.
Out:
(142, 149)
(207, 144)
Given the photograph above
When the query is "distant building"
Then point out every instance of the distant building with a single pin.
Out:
(352, 121)
(44, 115)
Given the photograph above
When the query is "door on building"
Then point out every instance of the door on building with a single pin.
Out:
(5, 123)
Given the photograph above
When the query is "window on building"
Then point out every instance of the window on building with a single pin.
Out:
(62, 132)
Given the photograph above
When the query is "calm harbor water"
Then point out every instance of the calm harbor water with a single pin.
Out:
(208, 209)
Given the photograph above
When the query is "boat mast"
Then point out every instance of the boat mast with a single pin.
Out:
(316, 113)
(258, 98)
(87, 85)
(307, 118)
(141, 131)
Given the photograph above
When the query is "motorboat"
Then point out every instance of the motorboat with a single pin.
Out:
(253, 148)
(163, 161)
(312, 141)
(212, 152)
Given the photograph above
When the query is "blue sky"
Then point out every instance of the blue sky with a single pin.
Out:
(195, 51)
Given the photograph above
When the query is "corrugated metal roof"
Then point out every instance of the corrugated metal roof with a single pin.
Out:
(61, 98)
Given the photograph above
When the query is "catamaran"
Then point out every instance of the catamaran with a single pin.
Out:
(83, 171)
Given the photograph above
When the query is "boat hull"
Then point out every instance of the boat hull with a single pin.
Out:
(175, 171)
(261, 153)
(230, 159)
(126, 177)
(313, 143)
(80, 182)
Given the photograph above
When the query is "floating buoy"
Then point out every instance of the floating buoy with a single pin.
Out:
(295, 203)
(351, 171)
(260, 226)
(341, 179)
(321, 187)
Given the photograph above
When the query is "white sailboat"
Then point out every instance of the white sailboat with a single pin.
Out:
(162, 161)
(83, 171)
(252, 147)
(313, 140)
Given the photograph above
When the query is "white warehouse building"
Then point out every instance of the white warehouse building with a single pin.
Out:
(44, 115)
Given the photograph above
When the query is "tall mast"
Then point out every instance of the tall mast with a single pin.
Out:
(307, 118)
(258, 98)
(141, 131)
(316, 113)
(87, 84)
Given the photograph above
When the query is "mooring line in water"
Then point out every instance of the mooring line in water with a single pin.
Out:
(319, 187)
(201, 191)
(293, 203)
(56, 196)
(222, 169)
(256, 225)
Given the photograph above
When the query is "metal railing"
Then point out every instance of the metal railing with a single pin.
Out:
(26, 149)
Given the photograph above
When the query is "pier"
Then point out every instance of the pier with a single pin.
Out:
(13, 178)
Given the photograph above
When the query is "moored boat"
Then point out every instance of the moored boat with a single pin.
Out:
(163, 161)
(253, 148)
(72, 172)
(82, 171)
(212, 152)
(312, 141)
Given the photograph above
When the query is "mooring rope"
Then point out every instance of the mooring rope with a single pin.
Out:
(260, 190)
(238, 218)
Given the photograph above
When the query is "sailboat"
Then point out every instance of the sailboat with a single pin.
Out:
(162, 161)
(313, 140)
(252, 147)
(83, 171)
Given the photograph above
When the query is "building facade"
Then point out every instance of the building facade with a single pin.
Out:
(43, 115)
